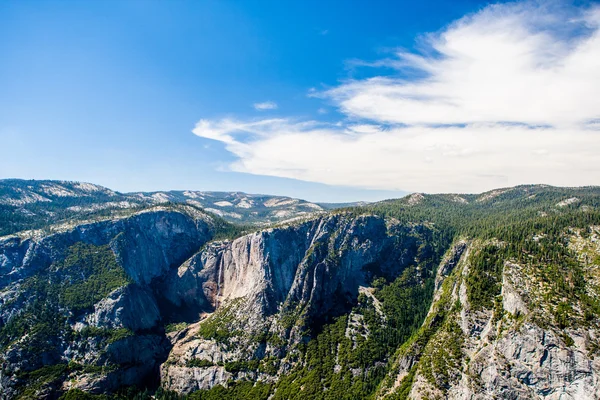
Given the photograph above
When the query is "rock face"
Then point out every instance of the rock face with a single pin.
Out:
(414, 310)
(519, 357)
(146, 244)
(130, 307)
(539, 365)
(274, 283)
(289, 264)
(513, 351)
(308, 272)
(46, 284)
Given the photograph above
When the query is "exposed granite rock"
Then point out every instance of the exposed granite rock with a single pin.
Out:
(307, 272)
(137, 357)
(130, 307)
(254, 298)
(291, 265)
(20, 258)
(188, 379)
(127, 344)
(534, 363)
(511, 299)
(509, 357)
(147, 244)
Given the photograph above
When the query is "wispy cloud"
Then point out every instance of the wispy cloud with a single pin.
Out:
(504, 96)
(528, 63)
(425, 159)
(267, 105)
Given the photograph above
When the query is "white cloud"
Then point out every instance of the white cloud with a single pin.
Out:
(267, 105)
(512, 63)
(508, 96)
(446, 159)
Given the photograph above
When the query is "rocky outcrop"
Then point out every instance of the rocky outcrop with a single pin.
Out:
(508, 352)
(307, 272)
(118, 340)
(531, 362)
(131, 307)
(146, 244)
(136, 358)
(299, 264)
(153, 242)
(192, 314)
(21, 258)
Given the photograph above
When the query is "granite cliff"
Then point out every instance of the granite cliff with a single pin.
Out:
(425, 297)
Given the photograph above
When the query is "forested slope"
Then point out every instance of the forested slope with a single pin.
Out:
(429, 296)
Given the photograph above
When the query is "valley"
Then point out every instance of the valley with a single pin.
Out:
(107, 295)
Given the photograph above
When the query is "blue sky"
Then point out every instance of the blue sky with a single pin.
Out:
(110, 92)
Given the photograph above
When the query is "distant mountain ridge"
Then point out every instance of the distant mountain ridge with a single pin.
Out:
(31, 202)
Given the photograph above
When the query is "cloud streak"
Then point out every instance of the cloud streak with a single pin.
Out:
(267, 105)
(423, 159)
(505, 96)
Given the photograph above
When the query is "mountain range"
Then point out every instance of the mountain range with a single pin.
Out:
(25, 204)
(208, 295)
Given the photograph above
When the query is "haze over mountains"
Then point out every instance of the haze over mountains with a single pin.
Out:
(109, 295)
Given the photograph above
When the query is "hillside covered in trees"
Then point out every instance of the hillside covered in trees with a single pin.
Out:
(424, 297)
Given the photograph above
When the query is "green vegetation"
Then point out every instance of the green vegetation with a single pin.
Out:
(528, 227)
(243, 390)
(484, 278)
(52, 374)
(219, 325)
(404, 304)
(174, 327)
(199, 363)
(441, 361)
(269, 365)
(226, 230)
(125, 393)
(268, 337)
(350, 356)
(76, 394)
(40, 377)
(119, 334)
(507, 213)
(40, 325)
(111, 335)
(437, 343)
(87, 275)
(237, 366)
